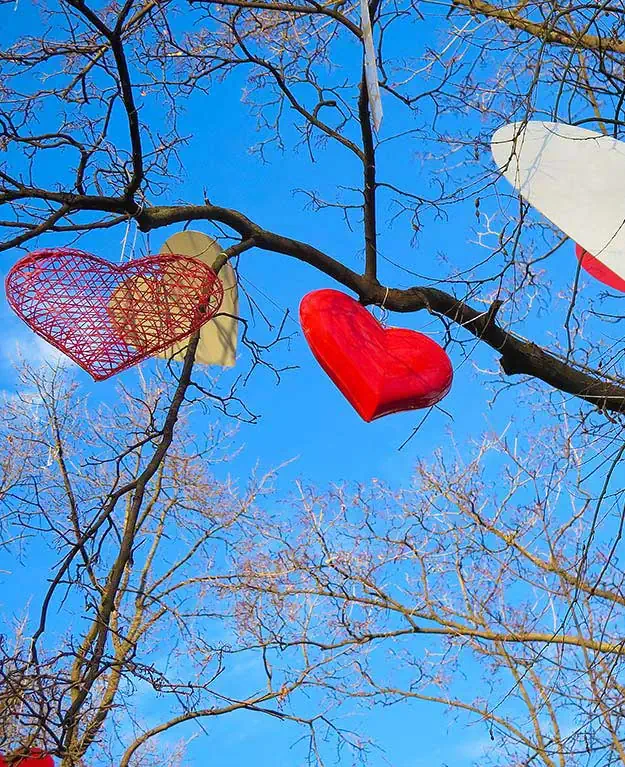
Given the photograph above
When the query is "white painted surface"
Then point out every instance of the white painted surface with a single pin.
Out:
(573, 176)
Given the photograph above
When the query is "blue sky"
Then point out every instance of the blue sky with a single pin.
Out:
(305, 417)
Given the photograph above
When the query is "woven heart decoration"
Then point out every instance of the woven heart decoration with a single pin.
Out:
(379, 370)
(108, 317)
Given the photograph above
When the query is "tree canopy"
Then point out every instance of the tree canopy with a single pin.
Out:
(497, 561)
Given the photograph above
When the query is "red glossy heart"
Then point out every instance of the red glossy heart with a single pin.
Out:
(379, 370)
(37, 758)
(108, 317)
(598, 270)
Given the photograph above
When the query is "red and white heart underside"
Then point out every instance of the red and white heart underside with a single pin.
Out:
(599, 271)
(542, 161)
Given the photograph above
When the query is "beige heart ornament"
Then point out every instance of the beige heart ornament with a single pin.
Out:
(218, 338)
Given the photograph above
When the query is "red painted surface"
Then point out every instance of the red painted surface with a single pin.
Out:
(37, 758)
(598, 270)
(379, 370)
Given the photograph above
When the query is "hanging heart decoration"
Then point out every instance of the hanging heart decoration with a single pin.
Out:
(379, 370)
(543, 162)
(108, 317)
(36, 758)
(218, 339)
(598, 270)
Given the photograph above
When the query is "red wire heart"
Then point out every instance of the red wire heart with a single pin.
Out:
(108, 317)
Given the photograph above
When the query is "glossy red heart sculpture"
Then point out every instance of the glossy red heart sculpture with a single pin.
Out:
(599, 270)
(108, 317)
(37, 758)
(379, 370)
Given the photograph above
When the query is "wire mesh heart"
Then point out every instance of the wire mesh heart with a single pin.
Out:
(108, 317)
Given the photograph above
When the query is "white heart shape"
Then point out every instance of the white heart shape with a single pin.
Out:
(573, 176)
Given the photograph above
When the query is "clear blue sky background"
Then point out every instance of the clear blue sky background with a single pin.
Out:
(305, 417)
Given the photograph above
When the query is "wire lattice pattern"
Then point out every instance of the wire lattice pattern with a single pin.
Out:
(108, 317)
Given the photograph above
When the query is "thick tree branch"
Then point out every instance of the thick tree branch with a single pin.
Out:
(111, 589)
(485, 635)
(518, 356)
(545, 31)
(323, 9)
